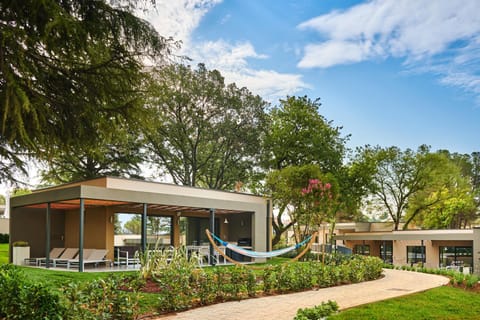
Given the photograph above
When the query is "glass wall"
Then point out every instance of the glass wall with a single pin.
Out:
(416, 254)
(386, 252)
(456, 257)
(363, 249)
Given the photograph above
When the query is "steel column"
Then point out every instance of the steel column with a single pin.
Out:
(212, 229)
(80, 238)
(144, 228)
(269, 223)
(47, 237)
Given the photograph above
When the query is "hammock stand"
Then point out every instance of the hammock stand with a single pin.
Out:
(224, 255)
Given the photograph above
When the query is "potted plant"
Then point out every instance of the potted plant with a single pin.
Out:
(21, 251)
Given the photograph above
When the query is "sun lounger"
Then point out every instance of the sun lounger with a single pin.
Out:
(69, 253)
(54, 253)
(96, 257)
(66, 262)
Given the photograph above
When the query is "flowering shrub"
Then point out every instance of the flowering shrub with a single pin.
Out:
(318, 203)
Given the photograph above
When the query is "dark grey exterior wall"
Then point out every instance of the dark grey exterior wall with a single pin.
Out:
(27, 224)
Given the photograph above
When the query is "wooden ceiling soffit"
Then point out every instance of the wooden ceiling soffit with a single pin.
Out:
(75, 204)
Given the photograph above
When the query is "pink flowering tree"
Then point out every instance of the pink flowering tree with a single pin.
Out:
(303, 198)
(319, 205)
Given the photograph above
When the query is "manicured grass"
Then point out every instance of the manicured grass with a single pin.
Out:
(439, 303)
(56, 279)
(3, 253)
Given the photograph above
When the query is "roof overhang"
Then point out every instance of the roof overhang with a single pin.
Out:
(178, 200)
(453, 235)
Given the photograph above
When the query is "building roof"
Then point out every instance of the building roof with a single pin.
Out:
(457, 234)
(132, 194)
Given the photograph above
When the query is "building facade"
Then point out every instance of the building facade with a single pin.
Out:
(80, 215)
(449, 249)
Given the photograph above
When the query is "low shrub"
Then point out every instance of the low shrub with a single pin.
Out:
(183, 285)
(318, 312)
(110, 298)
(22, 299)
(471, 280)
(4, 237)
(300, 276)
(20, 244)
(172, 270)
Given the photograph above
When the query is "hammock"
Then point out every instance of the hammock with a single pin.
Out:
(257, 254)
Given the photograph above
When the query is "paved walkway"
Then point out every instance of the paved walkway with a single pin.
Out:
(284, 307)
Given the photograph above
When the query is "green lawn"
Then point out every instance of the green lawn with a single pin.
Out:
(56, 279)
(439, 303)
(3, 253)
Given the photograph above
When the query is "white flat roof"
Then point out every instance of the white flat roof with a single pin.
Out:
(455, 234)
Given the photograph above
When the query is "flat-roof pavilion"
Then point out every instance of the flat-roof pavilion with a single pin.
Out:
(81, 214)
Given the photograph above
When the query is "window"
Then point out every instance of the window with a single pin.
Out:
(456, 256)
(363, 249)
(386, 252)
(416, 254)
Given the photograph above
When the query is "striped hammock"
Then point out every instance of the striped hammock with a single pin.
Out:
(257, 254)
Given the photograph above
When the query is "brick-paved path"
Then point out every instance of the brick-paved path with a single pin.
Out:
(284, 307)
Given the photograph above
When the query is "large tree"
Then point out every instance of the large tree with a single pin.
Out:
(155, 225)
(448, 200)
(117, 153)
(67, 69)
(299, 192)
(203, 132)
(403, 178)
(297, 135)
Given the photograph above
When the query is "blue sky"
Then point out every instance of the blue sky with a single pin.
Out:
(401, 73)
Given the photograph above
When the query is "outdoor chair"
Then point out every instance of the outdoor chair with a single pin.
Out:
(54, 253)
(96, 257)
(69, 253)
(204, 256)
(66, 261)
(126, 257)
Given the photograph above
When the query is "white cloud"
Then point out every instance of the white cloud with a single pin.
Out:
(179, 19)
(232, 61)
(331, 53)
(440, 36)
(401, 28)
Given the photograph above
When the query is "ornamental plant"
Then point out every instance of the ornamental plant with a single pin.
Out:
(320, 202)
(318, 312)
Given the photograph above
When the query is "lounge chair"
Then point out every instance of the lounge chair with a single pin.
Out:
(66, 262)
(96, 257)
(69, 253)
(54, 253)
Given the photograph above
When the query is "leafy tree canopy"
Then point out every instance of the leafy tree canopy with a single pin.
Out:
(287, 188)
(297, 135)
(422, 186)
(67, 68)
(117, 153)
(448, 200)
(398, 176)
(203, 132)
